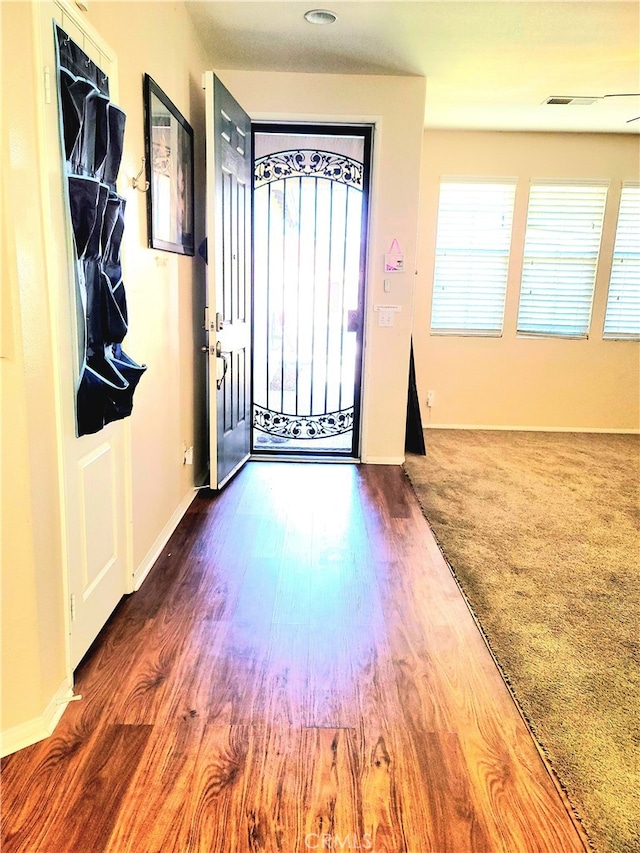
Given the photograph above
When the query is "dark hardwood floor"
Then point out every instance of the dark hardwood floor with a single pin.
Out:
(298, 672)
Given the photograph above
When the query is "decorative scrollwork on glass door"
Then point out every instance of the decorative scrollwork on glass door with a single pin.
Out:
(308, 231)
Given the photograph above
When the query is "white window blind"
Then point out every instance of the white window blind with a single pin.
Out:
(622, 319)
(562, 243)
(472, 256)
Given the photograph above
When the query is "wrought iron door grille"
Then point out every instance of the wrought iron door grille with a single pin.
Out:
(305, 163)
(303, 427)
(308, 209)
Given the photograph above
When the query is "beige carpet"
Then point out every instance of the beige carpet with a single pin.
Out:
(543, 533)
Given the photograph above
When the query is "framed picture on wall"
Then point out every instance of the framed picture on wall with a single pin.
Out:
(169, 157)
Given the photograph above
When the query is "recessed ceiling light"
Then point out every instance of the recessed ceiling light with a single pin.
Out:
(320, 16)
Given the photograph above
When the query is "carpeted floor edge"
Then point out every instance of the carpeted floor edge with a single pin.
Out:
(538, 743)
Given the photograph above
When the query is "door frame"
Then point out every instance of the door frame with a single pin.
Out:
(319, 127)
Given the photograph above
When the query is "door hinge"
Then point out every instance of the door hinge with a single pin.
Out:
(73, 607)
(47, 85)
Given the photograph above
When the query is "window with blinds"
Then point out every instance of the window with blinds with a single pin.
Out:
(472, 256)
(622, 319)
(562, 243)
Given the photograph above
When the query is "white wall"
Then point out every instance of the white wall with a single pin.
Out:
(33, 643)
(396, 105)
(543, 383)
(165, 291)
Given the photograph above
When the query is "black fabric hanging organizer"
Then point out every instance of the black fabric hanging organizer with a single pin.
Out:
(92, 130)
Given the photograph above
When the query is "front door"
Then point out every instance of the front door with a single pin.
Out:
(228, 281)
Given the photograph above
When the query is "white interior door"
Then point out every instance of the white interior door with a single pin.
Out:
(94, 468)
(229, 180)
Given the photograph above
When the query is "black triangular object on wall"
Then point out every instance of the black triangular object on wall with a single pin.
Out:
(414, 437)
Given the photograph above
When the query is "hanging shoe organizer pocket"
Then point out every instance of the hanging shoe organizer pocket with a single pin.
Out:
(92, 135)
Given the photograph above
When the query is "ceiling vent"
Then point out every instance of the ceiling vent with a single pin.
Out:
(567, 100)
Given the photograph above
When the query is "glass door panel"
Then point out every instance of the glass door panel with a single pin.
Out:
(309, 249)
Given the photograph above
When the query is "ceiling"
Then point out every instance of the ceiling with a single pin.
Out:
(489, 65)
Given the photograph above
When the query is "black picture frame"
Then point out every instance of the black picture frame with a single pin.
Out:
(169, 172)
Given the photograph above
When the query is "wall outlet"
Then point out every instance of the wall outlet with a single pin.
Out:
(188, 456)
(385, 318)
(430, 398)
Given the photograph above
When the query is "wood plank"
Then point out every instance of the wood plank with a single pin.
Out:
(212, 815)
(271, 819)
(152, 813)
(330, 796)
(93, 797)
(283, 699)
(381, 819)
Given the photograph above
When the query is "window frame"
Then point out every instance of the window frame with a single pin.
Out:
(617, 335)
(504, 181)
(592, 260)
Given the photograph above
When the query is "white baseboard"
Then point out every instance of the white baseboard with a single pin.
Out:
(26, 734)
(384, 460)
(601, 430)
(154, 552)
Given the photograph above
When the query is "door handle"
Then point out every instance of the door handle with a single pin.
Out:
(223, 356)
(224, 371)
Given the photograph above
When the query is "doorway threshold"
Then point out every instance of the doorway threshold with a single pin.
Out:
(306, 457)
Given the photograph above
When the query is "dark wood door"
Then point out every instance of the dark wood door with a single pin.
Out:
(229, 280)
